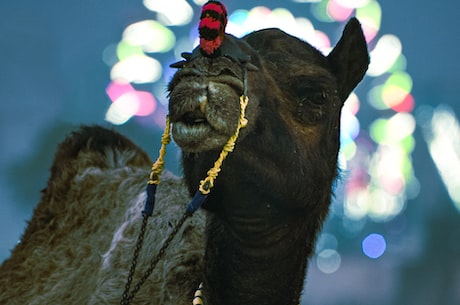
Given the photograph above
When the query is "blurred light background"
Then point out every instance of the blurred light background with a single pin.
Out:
(393, 235)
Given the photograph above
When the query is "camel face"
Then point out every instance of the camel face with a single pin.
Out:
(204, 103)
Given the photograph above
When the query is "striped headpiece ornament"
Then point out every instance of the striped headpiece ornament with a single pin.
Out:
(212, 25)
(214, 42)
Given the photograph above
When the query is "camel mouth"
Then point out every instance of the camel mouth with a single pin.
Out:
(192, 127)
(193, 137)
(204, 114)
(197, 135)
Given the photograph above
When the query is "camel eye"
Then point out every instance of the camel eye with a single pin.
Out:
(311, 106)
(318, 98)
(313, 97)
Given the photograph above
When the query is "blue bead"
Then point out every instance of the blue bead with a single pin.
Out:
(150, 201)
(196, 202)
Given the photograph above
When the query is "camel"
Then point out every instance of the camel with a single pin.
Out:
(250, 241)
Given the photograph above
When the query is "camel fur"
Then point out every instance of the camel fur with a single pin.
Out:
(78, 246)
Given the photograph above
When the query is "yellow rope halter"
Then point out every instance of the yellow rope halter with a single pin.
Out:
(208, 182)
(198, 296)
(158, 166)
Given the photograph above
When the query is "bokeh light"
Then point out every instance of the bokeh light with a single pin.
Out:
(320, 11)
(137, 69)
(384, 55)
(200, 2)
(242, 22)
(353, 3)
(326, 241)
(370, 16)
(328, 261)
(395, 90)
(171, 12)
(127, 102)
(349, 122)
(393, 130)
(441, 130)
(374, 245)
(338, 11)
(150, 35)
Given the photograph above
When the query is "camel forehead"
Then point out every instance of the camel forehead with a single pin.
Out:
(269, 42)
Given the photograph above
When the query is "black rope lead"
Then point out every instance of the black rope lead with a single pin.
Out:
(194, 205)
(132, 269)
(128, 296)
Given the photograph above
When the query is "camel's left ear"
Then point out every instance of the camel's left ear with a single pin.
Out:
(349, 59)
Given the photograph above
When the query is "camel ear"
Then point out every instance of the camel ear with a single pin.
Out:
(349, 59)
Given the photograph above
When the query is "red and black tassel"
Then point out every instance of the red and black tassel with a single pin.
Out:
(214, 42)
(212, 27)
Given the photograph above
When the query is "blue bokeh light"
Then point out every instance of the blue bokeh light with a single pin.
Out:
(374, 245)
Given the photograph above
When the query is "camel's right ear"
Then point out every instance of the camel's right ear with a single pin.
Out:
(349, 59)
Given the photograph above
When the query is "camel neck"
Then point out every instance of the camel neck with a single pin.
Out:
(253, 256)
(239, 273)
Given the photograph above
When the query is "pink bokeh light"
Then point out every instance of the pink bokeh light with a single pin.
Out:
(144, 102)
(338, 12)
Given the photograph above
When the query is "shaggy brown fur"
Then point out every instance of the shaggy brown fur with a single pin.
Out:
(263, 215)
(78, 246)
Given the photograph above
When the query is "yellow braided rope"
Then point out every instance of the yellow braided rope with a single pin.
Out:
(208, 182)
(198, 297)
(158, 166)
